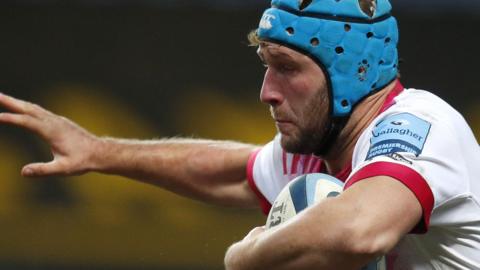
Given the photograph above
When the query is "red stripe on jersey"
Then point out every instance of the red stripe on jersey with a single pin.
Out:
(284, 160)
(295, 162)
(410, 178)
(315, 166)
(264, 204)
(345, 172)
(390, 100)
(306, 163)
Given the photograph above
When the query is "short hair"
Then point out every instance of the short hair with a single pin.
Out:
(253, 38)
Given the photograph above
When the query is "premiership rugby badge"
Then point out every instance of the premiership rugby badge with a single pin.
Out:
(399, 133)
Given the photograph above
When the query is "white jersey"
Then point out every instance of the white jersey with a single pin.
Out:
(421, 141)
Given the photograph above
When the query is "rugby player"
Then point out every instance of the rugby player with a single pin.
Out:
(409, 160)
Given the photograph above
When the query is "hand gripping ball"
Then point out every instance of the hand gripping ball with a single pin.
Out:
(305, 191)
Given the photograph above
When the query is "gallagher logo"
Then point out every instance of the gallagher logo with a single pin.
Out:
(400, 122)
(402, 132)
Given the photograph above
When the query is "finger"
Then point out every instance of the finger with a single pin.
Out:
(12, 104)
(43, 169)
(19, 106)
(38, 126)
(25, 121)
(21, 120)
(255, 232)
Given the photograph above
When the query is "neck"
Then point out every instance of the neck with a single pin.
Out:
(362, 116)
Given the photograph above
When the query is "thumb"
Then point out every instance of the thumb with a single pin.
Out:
(42, 169)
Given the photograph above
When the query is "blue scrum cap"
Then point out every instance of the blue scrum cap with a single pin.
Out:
(357, 52)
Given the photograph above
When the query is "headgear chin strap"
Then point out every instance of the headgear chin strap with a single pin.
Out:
(358, 53)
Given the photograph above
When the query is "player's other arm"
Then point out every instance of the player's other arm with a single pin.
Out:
(346, 232)
(213, 171)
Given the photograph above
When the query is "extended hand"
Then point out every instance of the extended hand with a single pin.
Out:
(72, 146)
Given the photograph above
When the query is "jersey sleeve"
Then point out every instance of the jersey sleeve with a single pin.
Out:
(417, 149)
(270, 168)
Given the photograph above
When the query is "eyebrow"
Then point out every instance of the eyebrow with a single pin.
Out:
(274, 52)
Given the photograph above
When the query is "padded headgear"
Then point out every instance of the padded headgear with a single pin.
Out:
(357, 52)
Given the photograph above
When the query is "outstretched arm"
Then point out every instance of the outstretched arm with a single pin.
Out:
(213, 171)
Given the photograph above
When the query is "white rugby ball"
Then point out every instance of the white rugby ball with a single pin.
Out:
(305, 191)
(301, 193)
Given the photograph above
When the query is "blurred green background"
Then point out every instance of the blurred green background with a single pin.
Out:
(149, 69)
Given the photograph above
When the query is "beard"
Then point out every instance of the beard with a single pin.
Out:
(311, 128)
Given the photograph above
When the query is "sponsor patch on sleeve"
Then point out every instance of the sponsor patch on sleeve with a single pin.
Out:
(399, 133)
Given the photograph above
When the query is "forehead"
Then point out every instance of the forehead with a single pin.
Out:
(266, 49)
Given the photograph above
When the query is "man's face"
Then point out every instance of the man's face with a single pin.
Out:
(296, 90)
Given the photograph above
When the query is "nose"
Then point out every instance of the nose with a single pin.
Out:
(270, 93)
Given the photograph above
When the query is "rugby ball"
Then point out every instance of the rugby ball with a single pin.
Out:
(300, 193)
(305, 191)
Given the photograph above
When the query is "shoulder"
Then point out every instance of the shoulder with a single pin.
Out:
(426, 134)
(413, 117)
(426, 105)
